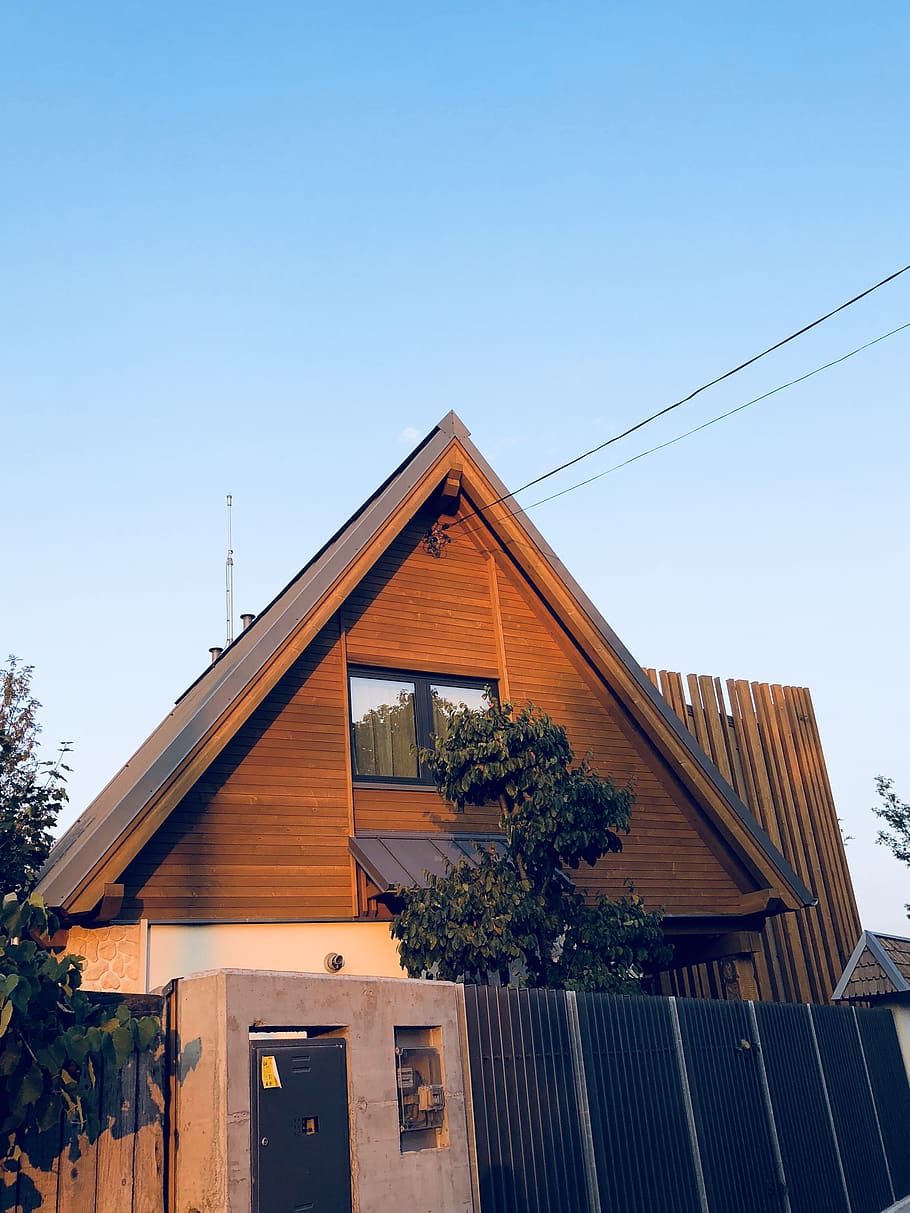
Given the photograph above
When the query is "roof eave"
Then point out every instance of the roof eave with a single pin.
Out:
(118, 806)
(801, 895)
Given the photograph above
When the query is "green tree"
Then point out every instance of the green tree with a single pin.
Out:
(514, 912)
(32, 790)
(53, 1037)
(895, 813)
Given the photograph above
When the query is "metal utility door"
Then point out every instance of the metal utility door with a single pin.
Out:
(301, 1161)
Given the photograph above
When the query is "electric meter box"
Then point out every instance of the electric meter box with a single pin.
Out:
(421, 1090)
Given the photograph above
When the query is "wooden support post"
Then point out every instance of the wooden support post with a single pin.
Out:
(738, 976)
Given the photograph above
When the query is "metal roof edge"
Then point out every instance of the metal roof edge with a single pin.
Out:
(122, 800)
(838, 992)
(899, 981)
(705, 764)
(121, 803)
(869, 941)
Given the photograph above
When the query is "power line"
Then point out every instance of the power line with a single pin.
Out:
(714, 420)
(685, 399)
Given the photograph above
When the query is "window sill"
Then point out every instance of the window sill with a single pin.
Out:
(394, 785)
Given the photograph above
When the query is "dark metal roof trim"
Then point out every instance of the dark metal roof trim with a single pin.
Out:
(121, 802)
(160, 757)
(645, 685)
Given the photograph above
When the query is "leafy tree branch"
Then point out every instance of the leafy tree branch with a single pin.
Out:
(514, 912)
(53, 1037)
(895, 813)
(32, 790)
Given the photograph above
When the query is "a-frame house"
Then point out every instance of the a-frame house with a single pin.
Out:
(264, 821)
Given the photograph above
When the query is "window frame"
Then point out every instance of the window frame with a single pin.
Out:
(423, 717)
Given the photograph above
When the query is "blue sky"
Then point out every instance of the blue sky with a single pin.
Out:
(251, 249)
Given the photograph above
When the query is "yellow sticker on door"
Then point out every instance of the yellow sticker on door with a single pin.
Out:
(268, 1069)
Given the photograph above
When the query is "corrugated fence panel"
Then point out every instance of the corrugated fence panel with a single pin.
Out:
(526, 1116)
(638, 1116)
(852, 1109)
(836, 1105)
(892, 1094)
(800, 1109)
(737, 1151)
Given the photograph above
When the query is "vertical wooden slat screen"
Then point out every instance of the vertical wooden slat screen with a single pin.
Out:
(764, 740)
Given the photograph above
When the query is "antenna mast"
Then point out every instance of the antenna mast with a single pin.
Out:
(229, 577)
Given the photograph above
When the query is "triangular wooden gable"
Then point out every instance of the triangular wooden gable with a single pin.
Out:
(253, 765)
(878, 968)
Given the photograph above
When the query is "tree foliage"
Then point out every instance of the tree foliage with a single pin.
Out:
(514, 912)
(32, 790)
(52, 1036)
(895, 813)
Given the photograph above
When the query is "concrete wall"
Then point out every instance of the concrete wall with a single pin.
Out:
(214, 1014)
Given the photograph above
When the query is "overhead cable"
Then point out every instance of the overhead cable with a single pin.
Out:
(714, 420)
(685, 399)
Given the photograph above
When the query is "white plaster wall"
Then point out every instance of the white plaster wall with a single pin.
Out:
(901, 1013)
(178, 949)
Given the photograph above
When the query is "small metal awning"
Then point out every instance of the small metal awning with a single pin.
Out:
(406, 859)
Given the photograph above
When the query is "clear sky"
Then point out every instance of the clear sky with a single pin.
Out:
(257, 249)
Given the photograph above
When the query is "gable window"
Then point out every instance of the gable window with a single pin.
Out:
(394, 715)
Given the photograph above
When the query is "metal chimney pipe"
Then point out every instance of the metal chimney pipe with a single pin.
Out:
(246, 620)
(216, 651)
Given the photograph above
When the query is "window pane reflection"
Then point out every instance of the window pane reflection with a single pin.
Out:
(385, 734)
(446, 699)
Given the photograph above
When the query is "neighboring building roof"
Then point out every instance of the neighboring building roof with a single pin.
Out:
(879, 966)
(96, 849)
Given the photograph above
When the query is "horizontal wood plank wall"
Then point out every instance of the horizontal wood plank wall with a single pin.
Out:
(264, 834)
(418, 810)
(429, 614)
(764, 739)
(671, 864)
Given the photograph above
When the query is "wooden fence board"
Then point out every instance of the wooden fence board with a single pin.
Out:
(810, 825)
(122, 1171)
(764, 741)
(8, 1184)
(79, 1165)
(38, 1177)
(115, 1146)
(793, 845)
(148, 1154)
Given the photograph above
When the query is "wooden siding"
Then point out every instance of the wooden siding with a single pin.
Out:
(674, 857)
(412, 809)
(417, 612)
(869, 980)
(898, 949)
(765, 742)
(672, 854)
(264, 833)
